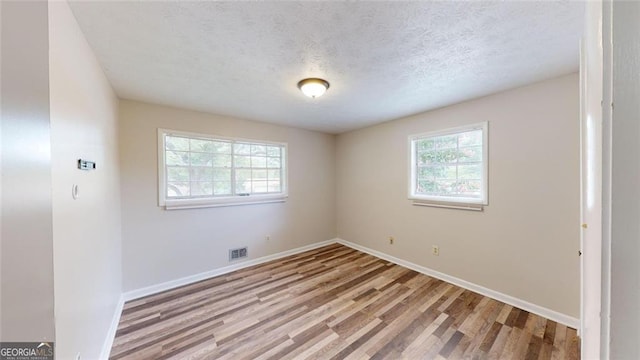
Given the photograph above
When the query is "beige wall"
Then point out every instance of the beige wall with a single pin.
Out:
(26, 262)
(161, 245)
(525, 242)
(624, 172)
(86, 231)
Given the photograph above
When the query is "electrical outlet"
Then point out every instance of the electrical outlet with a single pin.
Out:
(435, 250)
(391, 239)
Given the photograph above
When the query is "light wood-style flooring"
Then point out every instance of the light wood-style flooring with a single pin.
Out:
(333, 303)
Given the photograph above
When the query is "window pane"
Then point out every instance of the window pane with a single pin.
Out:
(469, 188)
(177, 174)
(427, 187)
(177, 158)
(425, 158)
(242, 161)
(259, 175)
(445, 187)
(274, 186)
(201, 174)
(258, 150)
(220, 147)
(177, 189)
(441, 171)
(222, 174)
(201, 145)
(222, 188)
(242, 175)
(430, 172)
(176, 143)
(470, 154)
(273, 174)
(447, 156)
(470, 171)
(201, 188)
(259, 186)
(273, 151)
(470, 138)
(243, 187)
(201, 159)
(425, 144)
(199, 166)
(241, 148)
(273, 162)
(450, 166)
(258, 161)
(442, 156)
(222, 160)
(447, 141)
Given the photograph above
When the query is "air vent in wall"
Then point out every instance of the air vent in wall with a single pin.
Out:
(235, 254)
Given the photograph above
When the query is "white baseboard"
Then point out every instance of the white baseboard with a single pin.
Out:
(111, 334)
(508, 299)
(154, 289)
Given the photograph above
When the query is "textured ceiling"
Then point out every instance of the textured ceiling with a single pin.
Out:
(384, 60)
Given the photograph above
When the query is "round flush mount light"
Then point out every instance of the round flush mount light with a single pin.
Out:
(313, 87)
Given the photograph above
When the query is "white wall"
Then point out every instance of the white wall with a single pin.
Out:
(161, 245)
(625, 180)
(525, 242)
(86, 231)
(26, 263)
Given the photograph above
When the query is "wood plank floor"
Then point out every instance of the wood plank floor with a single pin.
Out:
(333, 303)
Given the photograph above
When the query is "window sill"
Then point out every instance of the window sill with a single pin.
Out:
(221, 202)
(448, 205)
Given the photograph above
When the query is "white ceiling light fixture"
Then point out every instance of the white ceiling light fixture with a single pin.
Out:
(313, 87)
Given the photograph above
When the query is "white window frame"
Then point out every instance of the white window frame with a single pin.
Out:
(216, 201)
(443, 201)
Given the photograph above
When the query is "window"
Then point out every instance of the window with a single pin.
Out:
(200, 171)
(450, 166)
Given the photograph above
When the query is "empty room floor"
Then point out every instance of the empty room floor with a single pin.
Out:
(333, 303)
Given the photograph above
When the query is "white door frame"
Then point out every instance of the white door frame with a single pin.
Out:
(591, 115)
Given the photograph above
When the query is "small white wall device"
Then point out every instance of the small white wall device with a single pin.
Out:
(86, 165)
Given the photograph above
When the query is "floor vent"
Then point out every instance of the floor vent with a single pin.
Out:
(235, 254)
